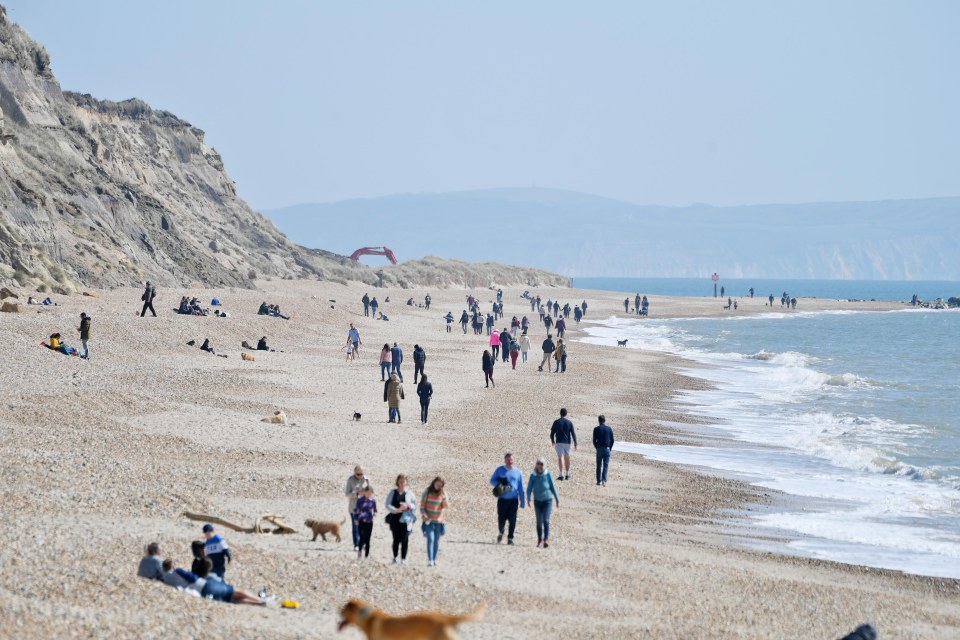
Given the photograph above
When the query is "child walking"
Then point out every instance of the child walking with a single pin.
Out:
(363, 515)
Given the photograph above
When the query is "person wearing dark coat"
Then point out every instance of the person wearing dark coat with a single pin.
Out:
(397, 359)
(425, 392)
(488, 361)
(603, 443)
(419, 358)
(148, 296)
(505, 340)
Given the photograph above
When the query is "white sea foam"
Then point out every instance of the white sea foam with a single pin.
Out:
(888, 512)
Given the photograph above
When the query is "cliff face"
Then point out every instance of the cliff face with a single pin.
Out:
(104, 193)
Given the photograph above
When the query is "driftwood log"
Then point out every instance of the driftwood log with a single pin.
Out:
(280, 525)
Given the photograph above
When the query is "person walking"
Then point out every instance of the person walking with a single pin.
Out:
(449, 319)
(626, 305)
(562, 435)
(524, 345)
(507, 482)
(363, 513)
(374, 305)
(524, 324)
(514, 326)
(426, 301)
(353, 335)
(149, 294)
(366, 305)
(84, 330)
(396, 359)
(392, 395)
(505, 341)
(514, 353)
(402, 506)
(488, 361)
(548, 349)
(489, 323)
(561, 327)
(425, 392)
(542, 489)
(583, 307)
(603, 443)
(433, 508)
(356, 483)
(495, 344)
(464, 319)
(560, 355)
(386, 357)
(419, 358)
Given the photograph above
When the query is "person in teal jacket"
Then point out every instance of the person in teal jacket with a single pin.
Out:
(544, 492)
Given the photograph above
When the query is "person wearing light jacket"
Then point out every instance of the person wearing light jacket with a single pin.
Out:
(542, 489)
(402, 505)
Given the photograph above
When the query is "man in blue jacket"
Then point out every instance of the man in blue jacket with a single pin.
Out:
(562, 434)
(603, 443)
(511, 495)
(215, 548)
(396, 354)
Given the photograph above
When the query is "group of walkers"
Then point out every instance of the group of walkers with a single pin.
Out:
(541, 491)
(401, 506)
(641, 306)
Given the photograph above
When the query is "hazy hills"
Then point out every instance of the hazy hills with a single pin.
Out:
(582, 235)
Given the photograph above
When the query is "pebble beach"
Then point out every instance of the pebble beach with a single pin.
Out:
(101, 457)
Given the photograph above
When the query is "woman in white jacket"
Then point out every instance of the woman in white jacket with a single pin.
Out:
(402, 505)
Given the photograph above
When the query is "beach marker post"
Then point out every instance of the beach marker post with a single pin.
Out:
(716, 278)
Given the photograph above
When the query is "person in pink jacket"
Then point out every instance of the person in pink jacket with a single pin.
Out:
(495, 344)
(386, 361)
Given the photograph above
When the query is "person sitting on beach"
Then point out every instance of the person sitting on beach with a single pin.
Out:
(206, 347)
(264, 309)
(409, 302)
(262, 344)
(151, 565)
(56, 343)
(32, 300)
(216, 589)
(184, 308)
(178, 578)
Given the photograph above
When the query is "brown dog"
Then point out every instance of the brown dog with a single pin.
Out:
(424, 625)
(322, 528)
(248, 357)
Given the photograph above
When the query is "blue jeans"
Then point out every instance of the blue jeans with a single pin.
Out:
(356, 533)
(433, 531)
(543, 509)
(385, 370)
(396, 370)
(394, 414)
(603, 460)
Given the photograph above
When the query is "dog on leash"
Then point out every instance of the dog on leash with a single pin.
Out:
(377, 625)
(356, 416)
(621, 343)
(278, 417)
(323, 527)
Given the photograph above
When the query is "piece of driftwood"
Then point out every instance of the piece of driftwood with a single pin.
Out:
(281, 526)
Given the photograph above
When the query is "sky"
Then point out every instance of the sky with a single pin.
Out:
(734, 102)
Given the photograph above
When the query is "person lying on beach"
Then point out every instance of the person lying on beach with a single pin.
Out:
(216, 589)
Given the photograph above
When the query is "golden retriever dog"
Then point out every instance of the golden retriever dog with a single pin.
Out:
(248, 357)
(278, 417)
(424, 625)
(323, 527)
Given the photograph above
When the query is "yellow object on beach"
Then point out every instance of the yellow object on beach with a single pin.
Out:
(290, 604)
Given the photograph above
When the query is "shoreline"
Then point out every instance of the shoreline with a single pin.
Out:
(150, 428)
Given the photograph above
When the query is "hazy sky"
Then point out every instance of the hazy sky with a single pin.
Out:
(653, 102)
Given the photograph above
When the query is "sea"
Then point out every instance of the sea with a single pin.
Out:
(854, 416)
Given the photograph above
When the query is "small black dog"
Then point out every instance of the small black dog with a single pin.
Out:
(356, 416)
(621, 343)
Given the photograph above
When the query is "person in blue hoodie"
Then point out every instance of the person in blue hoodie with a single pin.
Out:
(544, 493)
(397, 359)
(508, 480)
(215, 548)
